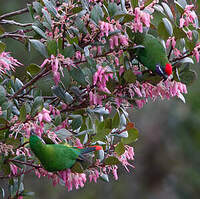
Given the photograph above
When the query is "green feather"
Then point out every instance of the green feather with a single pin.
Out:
(55, 157)
(153, 52)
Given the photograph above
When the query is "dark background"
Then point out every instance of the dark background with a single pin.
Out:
(167, 154)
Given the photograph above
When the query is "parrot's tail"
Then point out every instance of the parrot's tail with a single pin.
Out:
(90, 149)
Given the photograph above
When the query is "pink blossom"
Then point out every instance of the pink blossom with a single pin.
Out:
(1, 112)
(196, 52)
(7, 63)
(141, 17)
(13, 169)
(44, 115)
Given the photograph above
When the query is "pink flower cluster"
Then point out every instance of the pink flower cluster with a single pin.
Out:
(196, 51)
(165, 90)
(141, 18)
(115, 40)
(188, 17)
(57, 64)
(100, 78)
(44, 116)
(126, 157)
(6, 149)
(7, 63)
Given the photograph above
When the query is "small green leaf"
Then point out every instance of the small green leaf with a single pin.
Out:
(168, 11)
(129, 76)
(97, 14)
(50, 7)
(147, 2)
(113, 9)
(39, 31)
(33, 69)
(47, 18)
(52, 47)
(168, 26)
(134, 4)
(39, 46)
(37, 105)
(77, 122)
(78, 76)
(111, 160)
(77, 168)
(22, 116)
(116, 120)
(132, 136)
(37, 7)
(2, 46)
(2, 95)
(69, 51)
(188, 77)
(120, 149)
(63, 133)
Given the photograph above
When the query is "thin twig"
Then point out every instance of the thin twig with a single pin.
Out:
(32, 81)
(12, 22)
(18, 12)
(25, 163)
(14, 36)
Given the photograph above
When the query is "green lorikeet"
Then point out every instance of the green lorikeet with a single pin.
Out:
(152, 55)
(57, 157)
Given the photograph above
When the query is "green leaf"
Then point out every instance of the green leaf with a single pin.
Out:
(52, 47)
(97, 14)
(132, 136)
(77, 122)
(2, 46)
(47, 18)
(39, 31)
(101, 132)
(120, 149)
(188, 77)
(129, 76)
(2, 95)
(116, 120)
(66, 80)
(2, 192)
(78, 76)
(162, 31)
(168, 26)
(182, 3)
(50, 7)
(63, 133)
(69, 51)
(77, 168)
(39, 46)
(111, 160)
(113, 9)
(22, 116)
(65, 96)
(80, 25)
(147, 2)
(104, 177)
(37, 105)
(134, 4)
(76, 10)
(168, 11)
(37, 7)
(33, 69)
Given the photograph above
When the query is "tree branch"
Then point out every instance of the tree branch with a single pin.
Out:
(45, 72)
(18, 12)
(12, 22)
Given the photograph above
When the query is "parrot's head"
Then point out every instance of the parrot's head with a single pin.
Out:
(164, 71)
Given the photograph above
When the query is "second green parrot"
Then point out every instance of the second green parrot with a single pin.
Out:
(57, 157)
(153, 55)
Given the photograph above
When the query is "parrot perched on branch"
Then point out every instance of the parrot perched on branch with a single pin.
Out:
(152, 54)
(57, 157)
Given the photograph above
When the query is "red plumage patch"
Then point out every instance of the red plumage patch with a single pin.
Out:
(168, 69)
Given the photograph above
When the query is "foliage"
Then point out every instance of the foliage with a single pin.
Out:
(90, 75)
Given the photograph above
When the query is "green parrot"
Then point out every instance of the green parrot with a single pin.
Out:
(57, 157)
(152, 54)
